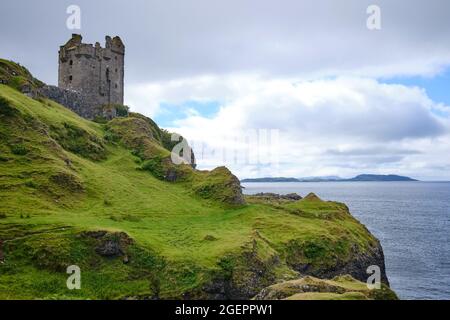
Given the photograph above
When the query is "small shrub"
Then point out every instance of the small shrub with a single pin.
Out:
(100, 119)
(2, 216)
(118, 109)
(155, 285)
(79, 141)
(313, 250)
(41, 100)
(155, 167)
(111, 137)
(121, 110)
(31, 184)
(5, 107)
(131, 218)
(115, 218)
(19, 149)
(67, 181)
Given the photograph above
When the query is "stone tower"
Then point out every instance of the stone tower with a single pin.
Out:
(96, 73)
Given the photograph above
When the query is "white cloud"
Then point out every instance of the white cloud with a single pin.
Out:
(173, 39)
(341, 126)
(202, 50)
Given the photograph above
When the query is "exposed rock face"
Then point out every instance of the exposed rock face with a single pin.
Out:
(234, 185)
(356, 266)
(67, 181)
(220, 184)
(255, 277)
(171, 175)
(245, 274)
(110, 244)
(109, 248)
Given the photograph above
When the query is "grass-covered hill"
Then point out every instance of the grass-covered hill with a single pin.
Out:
(106, 197)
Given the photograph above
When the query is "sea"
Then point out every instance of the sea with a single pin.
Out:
(411, 220)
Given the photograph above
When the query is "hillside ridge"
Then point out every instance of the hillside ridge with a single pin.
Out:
(106, 197)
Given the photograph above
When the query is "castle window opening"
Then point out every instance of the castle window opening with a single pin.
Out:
(70, 78)
(71, 62)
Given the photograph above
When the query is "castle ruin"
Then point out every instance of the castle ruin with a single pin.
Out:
(90, 78)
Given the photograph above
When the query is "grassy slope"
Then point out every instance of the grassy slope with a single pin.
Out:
(17, 76)
(53, 187)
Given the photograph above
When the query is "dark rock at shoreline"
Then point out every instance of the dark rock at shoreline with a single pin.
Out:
(356, 266)
(272, 196)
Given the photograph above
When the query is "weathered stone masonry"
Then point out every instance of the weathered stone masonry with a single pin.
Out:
(73, 100)
(89, 76)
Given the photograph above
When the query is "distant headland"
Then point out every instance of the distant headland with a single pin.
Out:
(361, 177)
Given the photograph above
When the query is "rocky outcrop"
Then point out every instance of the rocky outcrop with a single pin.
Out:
(219, 184)
(356, 265)
(338, 288)
(67, 181)
(253, 274)
(110, 244)
(312, 197)
(275, 196)
(243, 275)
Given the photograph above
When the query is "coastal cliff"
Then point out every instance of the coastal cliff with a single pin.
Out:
(106, 197)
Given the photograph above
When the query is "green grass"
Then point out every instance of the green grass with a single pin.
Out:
(328, 296)
(61, 175)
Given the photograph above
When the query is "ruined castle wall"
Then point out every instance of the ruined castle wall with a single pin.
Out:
(73, 100)
(95, 72)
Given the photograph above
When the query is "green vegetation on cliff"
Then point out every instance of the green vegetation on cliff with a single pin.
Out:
(17, 76)
(106, 197)
(338, 288)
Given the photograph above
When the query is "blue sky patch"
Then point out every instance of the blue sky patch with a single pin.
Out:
(170, 112)
(437, 87)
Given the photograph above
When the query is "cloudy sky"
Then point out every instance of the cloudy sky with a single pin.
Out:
(271, 88)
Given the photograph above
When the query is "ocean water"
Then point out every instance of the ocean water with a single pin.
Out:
(411, 220)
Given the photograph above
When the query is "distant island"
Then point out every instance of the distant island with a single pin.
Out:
(378, 177)
(361, 177)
